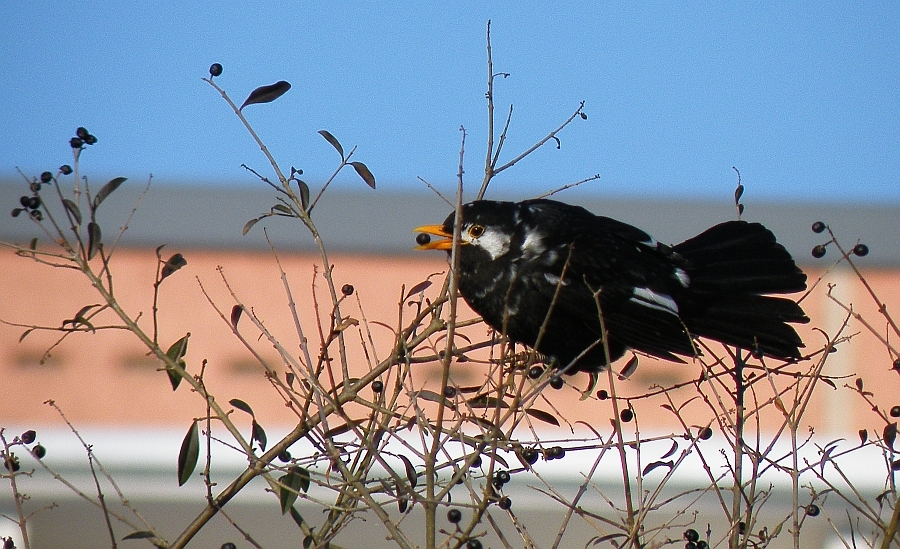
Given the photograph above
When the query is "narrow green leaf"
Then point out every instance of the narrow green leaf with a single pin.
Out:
(334, 142)
(190, 451)
(340, 429)
(364, 172)
(175, 353)
(266, 94)
(294, 482)
(73, 210)
(307, 541)
(281, 208)
(259, 435)
(142, 534)
(241, 405)
(107, 189)
(546, 417)
(410, 470)
(304, 194)
(298, 519)
(33, 244)
(425, 394)
(249, 225)
(94, 237)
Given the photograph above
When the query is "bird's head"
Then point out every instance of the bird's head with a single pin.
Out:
(488, 227)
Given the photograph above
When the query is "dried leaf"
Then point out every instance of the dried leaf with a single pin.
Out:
(266, 94)
(828, 382)
(738, 193)
(402, 504)
(94, 237)
(863, 436)
(671, 451)
(656, 464)
(364, 173)
(546, 417)
(241, 405)
(629, 368)
(73, 210)
(174, 263)
(418, 288)
(859, 383)
(334, 142)
(236, 312)
(107, 189)
(484, 401)
(190, 451)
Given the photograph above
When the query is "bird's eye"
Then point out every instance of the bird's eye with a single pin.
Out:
(476, 230)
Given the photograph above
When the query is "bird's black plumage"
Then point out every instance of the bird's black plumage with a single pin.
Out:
(545, 273)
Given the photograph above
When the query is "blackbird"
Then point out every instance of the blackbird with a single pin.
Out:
(556, 277)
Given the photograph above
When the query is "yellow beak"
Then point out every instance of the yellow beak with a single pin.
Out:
(445, 244)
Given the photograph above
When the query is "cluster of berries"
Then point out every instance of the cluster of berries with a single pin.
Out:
(82, 138)
(11, 462)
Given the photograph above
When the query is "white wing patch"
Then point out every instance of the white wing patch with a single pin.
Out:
(649, 298)
(682, 277)
(533, 244)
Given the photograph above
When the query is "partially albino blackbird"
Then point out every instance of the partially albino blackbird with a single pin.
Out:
(553, 276)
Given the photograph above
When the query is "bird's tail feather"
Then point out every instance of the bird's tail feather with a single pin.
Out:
(731, 266)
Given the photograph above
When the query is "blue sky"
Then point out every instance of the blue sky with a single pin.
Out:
(804, 98)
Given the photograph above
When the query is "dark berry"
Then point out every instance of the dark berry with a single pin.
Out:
(76, 143)
(9, 544)
(690, 545)
(46, 177)
(861, 250)
(24, 200)
(215, 69)
(702, 545)
(812, 510)
(530, 455)
(423, 239)
(473, 544)
(34, 187)
(39, 451)
(818, 227)
(90, 139)
(705, 433)
(228, 545)
(895, 466)
(37, 215)
(691, 535)
(34, 202)
(284, 456)
(742, 527)
(603, 394)
(28, 436)
(535, 372)
(556, 382)
(82, 133)
(454, 516)
(17, 211)
(504, 503)
(347, 289)
(477, 462)
(449, 392)
(65, 169)
(818, 251)
(895, 411)
(501, 478)
(897, 364)
(377, 386)
(11, 463)
(555, 452)
(626, 415)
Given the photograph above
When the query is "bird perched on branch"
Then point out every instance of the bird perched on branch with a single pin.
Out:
(556, 277)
